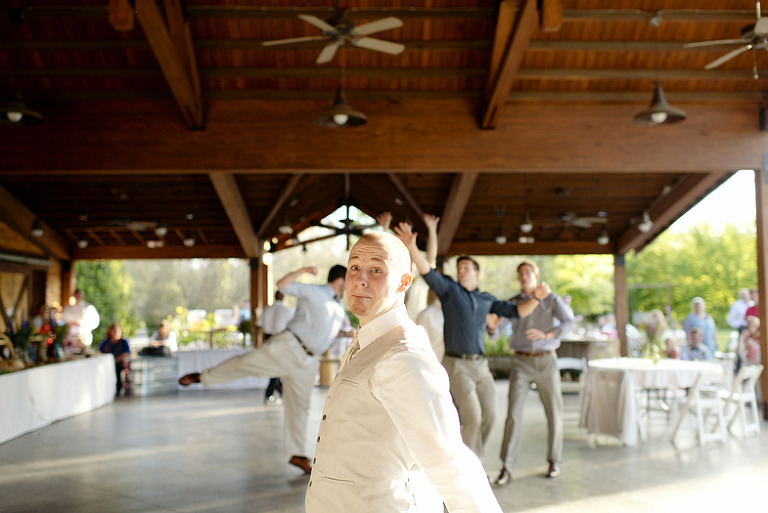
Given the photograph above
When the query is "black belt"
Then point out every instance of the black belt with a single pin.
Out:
(464, 356)
(532, 355)
(306, 350)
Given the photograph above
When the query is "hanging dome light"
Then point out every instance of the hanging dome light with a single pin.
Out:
(659, 112)
(340, 114)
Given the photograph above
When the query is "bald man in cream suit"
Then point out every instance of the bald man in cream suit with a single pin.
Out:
(388, 415)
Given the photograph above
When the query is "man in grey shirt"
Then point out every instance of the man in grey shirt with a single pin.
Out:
(534, 340)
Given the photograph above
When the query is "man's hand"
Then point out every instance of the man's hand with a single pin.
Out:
(534, 334)
(311, 270)
(406, 234)
(541, 291)
(431, 221)
(384, 219)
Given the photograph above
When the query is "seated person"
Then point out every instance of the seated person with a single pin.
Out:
(749, 342)
(163, 336)
(114, 344)
(695, 348)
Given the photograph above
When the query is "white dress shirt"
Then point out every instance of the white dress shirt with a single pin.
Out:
(318, 315)
(274, 319)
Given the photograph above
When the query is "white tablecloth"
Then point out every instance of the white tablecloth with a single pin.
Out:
(196, 361)
(33, 398)
(609, 401)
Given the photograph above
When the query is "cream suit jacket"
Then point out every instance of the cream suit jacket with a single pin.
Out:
(367, 449)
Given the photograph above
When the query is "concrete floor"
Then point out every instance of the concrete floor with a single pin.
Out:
(220, 451)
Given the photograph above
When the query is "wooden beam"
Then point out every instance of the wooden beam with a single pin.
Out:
(503, 76)
(455, 204)
(406, 194)
(287, 191)
(761, 212)
(234, 204)
(19, 218)
(512, 247)
(551, 15)
(670, 207)
(166, 252)
(120, 15)
(172, 64)
(504, 23)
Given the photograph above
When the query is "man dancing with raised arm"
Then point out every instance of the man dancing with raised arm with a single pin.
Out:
(388, 413)
(290, 355)
(465, 309)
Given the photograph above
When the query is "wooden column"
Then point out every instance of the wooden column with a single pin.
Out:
(259, 272)
(761, 204)
(621, 301)
(68, 280)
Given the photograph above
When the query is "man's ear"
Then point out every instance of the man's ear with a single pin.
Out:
(405, 282)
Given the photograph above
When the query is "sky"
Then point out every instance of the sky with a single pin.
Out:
(733, 202)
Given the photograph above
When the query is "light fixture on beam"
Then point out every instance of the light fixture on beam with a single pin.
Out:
(189, 241)
(525, 240)
(82, 243)
(501, 239)
(340, 114)
(603, 238)
(527, 225)
(161, 230)
(659, 112)
(646, 224)
(37, 229)
(15, 112)
(285, 228)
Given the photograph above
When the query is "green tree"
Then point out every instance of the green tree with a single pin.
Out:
(108, 287)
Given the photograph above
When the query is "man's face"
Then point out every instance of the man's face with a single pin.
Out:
(467, 274)
(527, 277)
(374, 285)
(696, 338)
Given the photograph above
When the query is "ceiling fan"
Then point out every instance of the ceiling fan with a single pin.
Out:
(347, 228)
(753, 37)
(571, 219)
(139, 226)
(340, 30)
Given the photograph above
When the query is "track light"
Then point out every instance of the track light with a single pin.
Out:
(646, 224)
(161, 229)
(15, 111)
(659, 112)
(527, 224)
(340, 114)
(603, 238)
(37, 229)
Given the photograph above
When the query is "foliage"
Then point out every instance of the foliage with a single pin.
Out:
(498, 346)
(107, 286)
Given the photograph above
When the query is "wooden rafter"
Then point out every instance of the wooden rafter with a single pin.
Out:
(20, 218)
(551, 15)
(461, 190)
(287, 191)
(508, 49)
(407, 196)
(173, 50)
(689, 190)
(234, 204)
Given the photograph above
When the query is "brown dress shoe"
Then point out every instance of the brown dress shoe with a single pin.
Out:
(302, 462)
(504, 478)
(554, 470)
(188, 379)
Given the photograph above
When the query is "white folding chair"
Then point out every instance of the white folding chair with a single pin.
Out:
(703, 401)
(573, 368)
(741, 395)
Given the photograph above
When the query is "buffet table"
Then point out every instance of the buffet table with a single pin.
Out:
(36, 397)
(609, 403)
(196, 361)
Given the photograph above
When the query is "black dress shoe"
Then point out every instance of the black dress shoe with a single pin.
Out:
(504, 478)
(302, 462)
(554, 470)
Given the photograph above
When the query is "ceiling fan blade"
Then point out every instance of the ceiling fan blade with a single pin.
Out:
(581, 223)
(292, 40)
(377, 26)
(728, 56)
(317, 22)
(698, 44)
(761, 27)
(327, 54)
(371, 43)
(593, 219)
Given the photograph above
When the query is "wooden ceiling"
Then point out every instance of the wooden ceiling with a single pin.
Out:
(494, 110)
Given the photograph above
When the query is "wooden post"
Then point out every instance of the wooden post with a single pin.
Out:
(621, 301)
(68, 280)
(761, 210)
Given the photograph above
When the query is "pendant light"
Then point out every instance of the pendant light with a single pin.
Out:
(340, 114)
(659, 112)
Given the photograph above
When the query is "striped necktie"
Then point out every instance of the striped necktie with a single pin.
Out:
(353, 348)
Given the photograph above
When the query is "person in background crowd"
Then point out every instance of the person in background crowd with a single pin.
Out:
(274, 319)
(699, 318)
(164, 336)
(695, 349)
(737, 313)
(82, 318)
(749, 343)
(116, 345)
